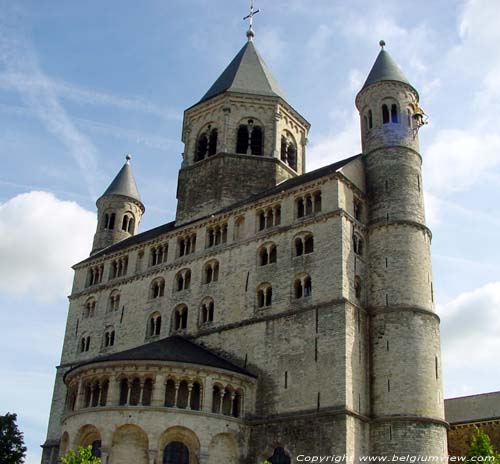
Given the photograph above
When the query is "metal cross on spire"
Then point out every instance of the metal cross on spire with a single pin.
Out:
(250, 32)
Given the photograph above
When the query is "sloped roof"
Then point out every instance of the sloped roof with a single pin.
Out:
(174, 349)
(385, 69)
(170, 226)
(247, 73)
(124, 184)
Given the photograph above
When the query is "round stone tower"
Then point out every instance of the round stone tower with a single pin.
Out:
(406, 385)
(119, 210)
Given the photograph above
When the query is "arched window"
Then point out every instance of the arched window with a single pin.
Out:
(90, 307)
(135, 392)
(158, 254)
(302, 286)
(183, 280)
(201, 147)
(109, 221)
(242, 140)
(249, 139)
(123, 392)
(256, 141)
(195, 400)
(176, 452)
(370, 119)
(182, 395)
(216, 399)
(357, 244)
(211, 272)
(114, 301)
(264, 295)
(147, 392)
(289, 151)
(109, 338)
(180, 317)
(268, 254)
(154, 325)
(357, 286)
(394, 113)
(212, 142)
(207, 311)
(84, 344)
(125, 222)
(385, 114)
(170, 394)
(304, 244)
(279, 457)
(157, 289)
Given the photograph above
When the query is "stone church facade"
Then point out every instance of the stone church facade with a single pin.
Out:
(282, 313)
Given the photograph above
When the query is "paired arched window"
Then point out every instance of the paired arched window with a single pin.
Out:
(268, 254)
(90, 306)
(157, 289)
(249, 139)
(109, 221)
(94, 275)
(289, 151)
(207, 144)
(154, 325)
(302, 286)
(211, 272)
(109, 338)
(390, 113)
(304, 244)
(180, 317)
(128, 223)
(84, 344)
(207, 311)
(357, 244)
(114, 301)
(183, 280)
(264, 295)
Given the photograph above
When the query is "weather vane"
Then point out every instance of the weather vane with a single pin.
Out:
(250, 32)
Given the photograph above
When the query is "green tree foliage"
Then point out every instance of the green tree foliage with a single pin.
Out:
(481, 446)
(82, 456)
(12, 449)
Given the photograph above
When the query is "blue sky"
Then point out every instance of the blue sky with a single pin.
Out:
(84, 83)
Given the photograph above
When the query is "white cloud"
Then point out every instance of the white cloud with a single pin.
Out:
(458, 159)
(338, 145)
(470, 343)
(19, 59)
(42, 237)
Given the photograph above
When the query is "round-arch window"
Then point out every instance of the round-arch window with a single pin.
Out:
(176, 452)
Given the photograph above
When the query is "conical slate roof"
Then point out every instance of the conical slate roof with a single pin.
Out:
(385, 69)
(247, 73)
(124, 184)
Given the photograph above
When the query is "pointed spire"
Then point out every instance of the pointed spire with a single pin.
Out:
(124, 183)
(247, 73)
(385, 69)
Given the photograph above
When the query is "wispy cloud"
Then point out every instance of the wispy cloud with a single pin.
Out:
(18, 57)
(67, 91)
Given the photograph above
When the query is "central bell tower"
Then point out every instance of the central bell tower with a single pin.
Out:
(240, 139)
